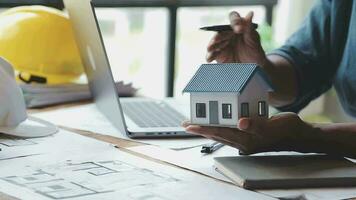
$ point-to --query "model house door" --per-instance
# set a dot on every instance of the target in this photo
(213, 112)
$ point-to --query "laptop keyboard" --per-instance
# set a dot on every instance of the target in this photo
(152, 114)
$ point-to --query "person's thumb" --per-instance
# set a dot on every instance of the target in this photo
(251, 125)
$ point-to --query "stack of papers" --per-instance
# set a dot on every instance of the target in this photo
(38, 95)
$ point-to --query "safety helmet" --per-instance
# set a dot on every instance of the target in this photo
(39, 42)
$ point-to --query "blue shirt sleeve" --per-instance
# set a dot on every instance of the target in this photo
(308, 50)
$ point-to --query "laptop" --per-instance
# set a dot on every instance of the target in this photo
(133, 117)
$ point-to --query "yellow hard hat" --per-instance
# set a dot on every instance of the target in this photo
(39, 42)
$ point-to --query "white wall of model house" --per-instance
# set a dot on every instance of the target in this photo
(255, 91)
(221, 98)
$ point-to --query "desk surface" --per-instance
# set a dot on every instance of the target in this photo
(120, 143)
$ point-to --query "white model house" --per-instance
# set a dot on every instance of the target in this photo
(220, 94)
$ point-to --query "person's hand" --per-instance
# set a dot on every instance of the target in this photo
(240, 45)
(282, 132)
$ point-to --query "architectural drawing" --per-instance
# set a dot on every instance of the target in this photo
(89, 178)
(12, 141)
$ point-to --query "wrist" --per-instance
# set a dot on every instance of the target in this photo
(265, 63)
(283, 78)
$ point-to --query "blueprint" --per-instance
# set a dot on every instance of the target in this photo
(71, 166)
(11, 141)
(88, 178)
(15, 147)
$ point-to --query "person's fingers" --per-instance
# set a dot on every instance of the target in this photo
(218, 46)
(226, 58)
(239, 24)
(200, 130)
(219, 38)
(252, 125)
(249, 17)
(228, 134)
(235, 145)
(248, 23)
(185, 124)
(233, 14)
(244, 123)
(221, 55)
(211, 133)
(236, 22)
(218, 43)
(244, 141)
(210, 56)
(235, 17)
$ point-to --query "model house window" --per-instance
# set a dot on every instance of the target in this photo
(200, 110)
(244, 110)
(226, 111)
(262, 110)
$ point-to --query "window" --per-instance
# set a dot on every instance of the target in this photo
(262, 109)
(200, 110)
(131, 52)
(244, 110)
(136, 52)
(226, 111)
(191, 43)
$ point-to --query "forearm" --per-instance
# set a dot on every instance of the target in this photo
(283, 78)
(335, 139)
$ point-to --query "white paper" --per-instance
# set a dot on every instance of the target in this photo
(63, 141)
(192, 159)
(88, 118)
(108, 174)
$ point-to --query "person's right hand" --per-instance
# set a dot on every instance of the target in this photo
(240, 45)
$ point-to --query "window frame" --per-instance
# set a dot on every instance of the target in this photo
(226, 110)
(245, 108)
(262, 108)
(12, 3)
(197, 108)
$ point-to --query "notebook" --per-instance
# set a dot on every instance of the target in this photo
(287, 171)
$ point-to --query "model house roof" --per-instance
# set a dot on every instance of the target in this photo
(225, 77)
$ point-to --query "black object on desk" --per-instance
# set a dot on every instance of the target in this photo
(210, 148)
(220, 28)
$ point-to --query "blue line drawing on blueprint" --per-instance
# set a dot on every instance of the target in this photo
(12, 141)
(71, 180)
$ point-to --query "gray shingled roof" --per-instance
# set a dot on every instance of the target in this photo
(224, 77)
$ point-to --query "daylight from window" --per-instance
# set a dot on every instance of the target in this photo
(136, 42)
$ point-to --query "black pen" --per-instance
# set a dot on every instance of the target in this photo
(210, 148)
(220, 28)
